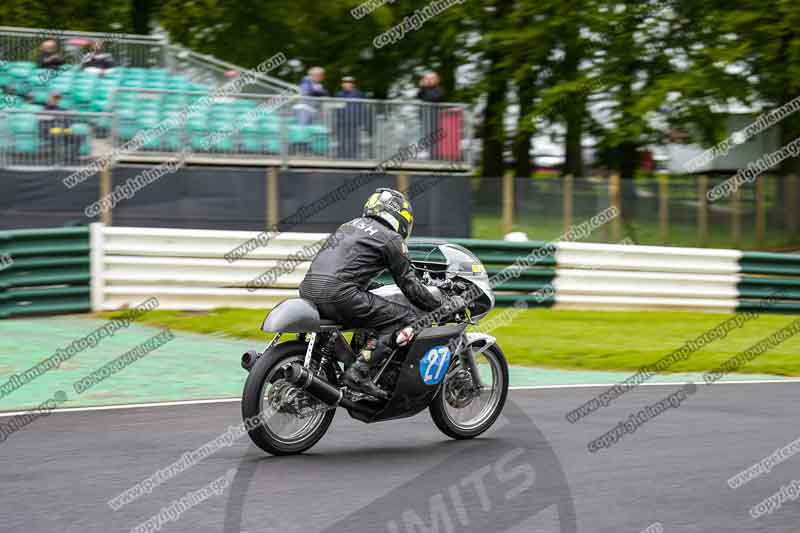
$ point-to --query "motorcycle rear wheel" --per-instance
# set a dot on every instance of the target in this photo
(281, 433)
(454, 413)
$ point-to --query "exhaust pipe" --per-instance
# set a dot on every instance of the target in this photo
(249, 358)
(298, 375)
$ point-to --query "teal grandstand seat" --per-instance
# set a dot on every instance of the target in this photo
(84, 133)
(226, 138)
(114, 74)
(298, 134)
(147, 122)
(172, 140)
(21, 70)
(22, 123)
(134, 83)
(24, 129)
(272, 145)
(320, 139)
(198, 87)
(127, 124)
(198, 130)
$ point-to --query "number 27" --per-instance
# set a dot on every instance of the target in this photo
(438, 359)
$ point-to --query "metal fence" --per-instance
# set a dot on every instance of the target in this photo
(670, 210)
(34, 139)
(23, 44)
(292, 130)
(248, 129)
(128, 51)
(153, 81)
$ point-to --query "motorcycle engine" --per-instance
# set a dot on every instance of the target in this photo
(389, 378)
(360, 338)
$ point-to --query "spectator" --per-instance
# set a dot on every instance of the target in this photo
(349, 89)
(56, 132)
(429, 91)
(49, 56)
(96, 60)
(54, 102)
(312, 84)
(310, 87)
(350, 119)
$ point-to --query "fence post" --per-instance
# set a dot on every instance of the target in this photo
(284, 139)
(105, 189)
(761, 212)
(568, 201)
(97, 266)
(702, 211)
(663, 208)
(736, 213)
(614, 192)
(272, 198)
(508, 203)
(402, 182)
(793, 205)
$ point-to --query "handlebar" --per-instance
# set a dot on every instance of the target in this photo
(448, 285)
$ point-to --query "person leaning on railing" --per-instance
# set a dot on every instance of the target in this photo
(350, 119)
(57, 133)
(97, 60)
(49, 56)
(430, 91)
(310, 87)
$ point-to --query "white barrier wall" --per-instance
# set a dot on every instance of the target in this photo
(187, 270)
(618, 276)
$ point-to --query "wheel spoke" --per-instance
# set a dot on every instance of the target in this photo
(468, 405)
(286, 427)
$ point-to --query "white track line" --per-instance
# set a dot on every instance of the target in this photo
(519, 388)
(659, 384)
(127, 406)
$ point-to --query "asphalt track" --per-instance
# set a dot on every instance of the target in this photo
(531, 473)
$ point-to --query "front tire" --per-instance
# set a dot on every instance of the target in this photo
(276, 434)
(460, 417)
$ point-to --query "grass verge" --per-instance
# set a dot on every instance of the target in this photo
(580, 340)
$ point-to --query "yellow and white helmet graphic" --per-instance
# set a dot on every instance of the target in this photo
(391, 206)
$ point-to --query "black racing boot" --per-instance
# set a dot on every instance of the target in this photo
(357, 378)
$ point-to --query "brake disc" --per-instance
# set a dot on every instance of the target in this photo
(460, 390)
(284, 397)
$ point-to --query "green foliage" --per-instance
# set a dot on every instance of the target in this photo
(628, 72)
(77, 15)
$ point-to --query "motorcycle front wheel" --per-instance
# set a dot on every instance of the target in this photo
(282, 419)
(463, 409)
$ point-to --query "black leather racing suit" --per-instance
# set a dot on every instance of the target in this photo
(341, 274)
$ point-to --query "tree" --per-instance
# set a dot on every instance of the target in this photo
(76, 15)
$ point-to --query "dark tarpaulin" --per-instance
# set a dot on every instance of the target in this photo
(442, 203)
(40, 200)
(196, 197)
(230, 198)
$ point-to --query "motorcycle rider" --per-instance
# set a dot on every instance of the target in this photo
(340, 278)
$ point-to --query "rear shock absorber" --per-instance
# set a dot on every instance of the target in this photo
(326, 352)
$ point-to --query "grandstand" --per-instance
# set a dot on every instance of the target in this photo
(154, 82)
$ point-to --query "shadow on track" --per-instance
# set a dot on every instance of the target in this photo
(486, 484)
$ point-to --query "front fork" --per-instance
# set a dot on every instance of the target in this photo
(467, 356)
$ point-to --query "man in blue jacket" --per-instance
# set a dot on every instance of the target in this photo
(311, 87)
(350, 119)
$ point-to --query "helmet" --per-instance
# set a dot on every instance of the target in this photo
(392, 207)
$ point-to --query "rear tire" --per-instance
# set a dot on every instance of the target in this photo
(440, 408)
(268, 365)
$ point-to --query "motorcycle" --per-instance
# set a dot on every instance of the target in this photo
(293, 388)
